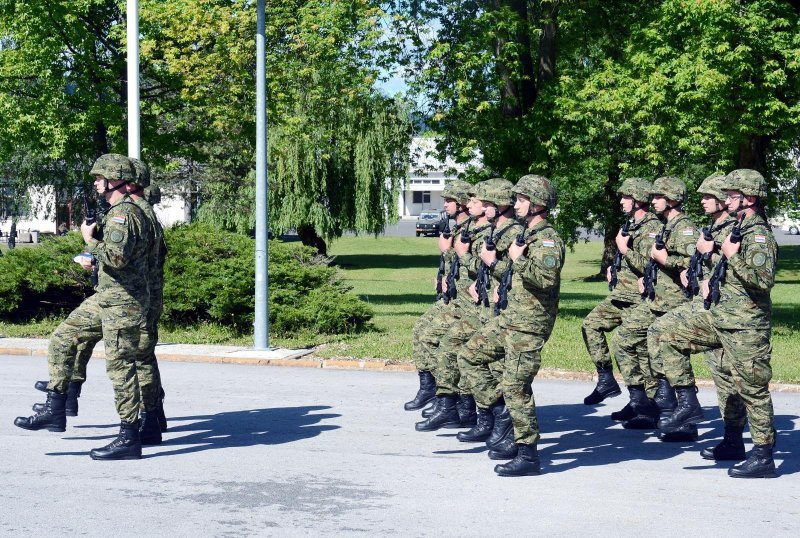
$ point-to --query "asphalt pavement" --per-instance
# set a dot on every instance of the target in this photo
(271, 451)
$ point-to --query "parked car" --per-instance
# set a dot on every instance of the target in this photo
(428, 223)
(790, 225)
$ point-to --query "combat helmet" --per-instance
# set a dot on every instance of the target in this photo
(457, 190)
(115, 167)
(496, 190)
(713, 185)
(671, 188)
(637, 188)
(748, 182)
(539, 189)
(142, 172)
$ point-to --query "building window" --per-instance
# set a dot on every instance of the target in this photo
(416, 197)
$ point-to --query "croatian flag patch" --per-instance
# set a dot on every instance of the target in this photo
(548, 243)
(652, 235)
(688, 232)
(119, 219)
(759, 238)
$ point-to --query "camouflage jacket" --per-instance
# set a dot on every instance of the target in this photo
(468, 270)
(680, 240)
(156, 255)
(536, 282)
(642, 234)
(122, 255)
(745, 292)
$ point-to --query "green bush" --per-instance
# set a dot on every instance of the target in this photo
(208, 277)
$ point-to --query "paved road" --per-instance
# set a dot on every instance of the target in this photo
(268, 451)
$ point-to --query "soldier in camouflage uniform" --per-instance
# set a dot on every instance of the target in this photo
(662, 291)
(634, 242)
(678, 373)
(536, 257)
(490, 205)
(738, 295)
(430, 327)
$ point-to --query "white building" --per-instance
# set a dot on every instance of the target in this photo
(422, 191)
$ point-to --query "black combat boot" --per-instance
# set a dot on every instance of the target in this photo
(687, 412)
(626, 413)
(150, 430)
(466, 410)
(431, 409)
(730, 449)
(482, 429)
(126, 446)
(505, 449)
(445, 416)
(525, 463)
(73, 393)
(665, 397)
(684, 434)
(51, 418)
(426, 392)
(162, 417)
(502, 424)
(758, 465)
(41, 385)
(645, 410)
(607, 386)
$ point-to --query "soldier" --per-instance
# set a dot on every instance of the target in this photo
(430, 327)
(677, 372)
(738, 296)
(634, 241)
(661, 289)
(536, 256)
(490, 205)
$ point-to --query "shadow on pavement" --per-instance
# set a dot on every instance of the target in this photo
(272, 426)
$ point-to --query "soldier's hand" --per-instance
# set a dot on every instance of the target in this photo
(659, 255)
(86, 263)
(728, 248)
(495, 296)
(87, 231)
(685, 278)
(705, 291)
(473, 292)
(460, 247)
(444, 285)
(641, 284)
(608, 273)
(622, 242)
(445, 243)
(515, 251)
(703, 246)
(488, 256)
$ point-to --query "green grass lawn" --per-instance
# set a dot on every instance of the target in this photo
(395, 275)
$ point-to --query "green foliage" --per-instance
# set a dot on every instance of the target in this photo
(209, 277)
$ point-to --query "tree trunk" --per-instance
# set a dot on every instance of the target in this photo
(518, 93)
(308, 236)
(753, 154)
(547, 48)
(611, 226)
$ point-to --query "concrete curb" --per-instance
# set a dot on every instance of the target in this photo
(298, 358)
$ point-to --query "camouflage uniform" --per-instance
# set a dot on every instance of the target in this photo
(630, 342)
(612, 312)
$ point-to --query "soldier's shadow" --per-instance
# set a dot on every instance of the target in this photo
(245, 428)
(576, 435)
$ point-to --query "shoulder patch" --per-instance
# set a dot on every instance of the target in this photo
(652, 235)
(119, 219)
(759, 259)
(549, 243)
(549, 261)
(688, 232)
(760, 238)
(116, 236)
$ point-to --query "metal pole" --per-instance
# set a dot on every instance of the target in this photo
(261, 329)
(134, 137)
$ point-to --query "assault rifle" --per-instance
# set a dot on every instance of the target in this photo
(616, 265)
(651, 270)
(505, 281)
(444, 230)
(483, 282)
(89, 218)
(695, 272)
(718, 276)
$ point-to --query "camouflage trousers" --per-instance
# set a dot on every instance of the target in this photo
(604, 318)
(425, 337)
(480, 363)
(677, 367)
(742, 370)
(462, 321)
(630, 348)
